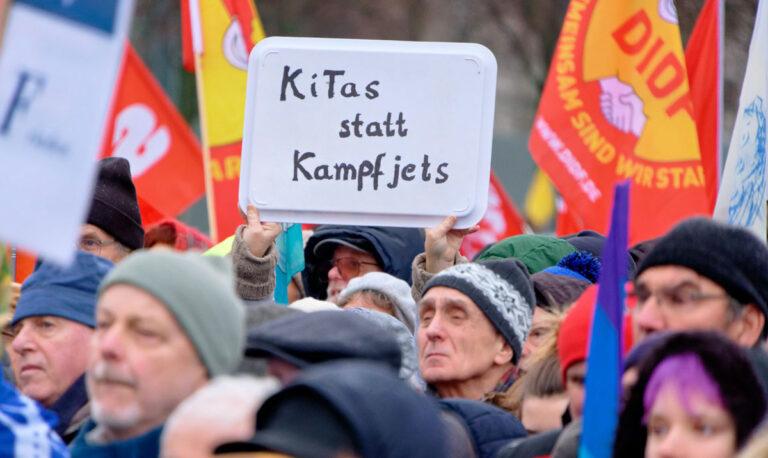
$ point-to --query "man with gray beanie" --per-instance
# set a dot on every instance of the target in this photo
(48, 337)
(166, 323)
(473, 320)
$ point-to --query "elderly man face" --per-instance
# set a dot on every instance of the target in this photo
(457, 343)
(675, 298)
(47, 355)
(142, 365)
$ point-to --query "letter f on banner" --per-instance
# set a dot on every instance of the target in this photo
(28, 86)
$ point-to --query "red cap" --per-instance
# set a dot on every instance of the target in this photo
(573, 337)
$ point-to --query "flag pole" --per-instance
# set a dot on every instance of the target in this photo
(197, 47)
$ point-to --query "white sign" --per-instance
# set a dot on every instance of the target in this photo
(58, 67)
(368, 132)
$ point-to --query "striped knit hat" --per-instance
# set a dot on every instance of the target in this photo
(501, 289)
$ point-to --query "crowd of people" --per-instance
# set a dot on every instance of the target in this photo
(393, 344)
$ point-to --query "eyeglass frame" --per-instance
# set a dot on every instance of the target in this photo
(101, 244)
(734, 306)
(335, 261)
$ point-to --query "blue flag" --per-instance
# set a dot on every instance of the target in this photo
(603, 385)
(290, 250)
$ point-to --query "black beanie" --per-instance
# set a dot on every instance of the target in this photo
(501, 289)
(114, 208)
(728, 255)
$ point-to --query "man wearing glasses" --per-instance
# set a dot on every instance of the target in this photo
(704, 275)
(336, 254)
(113, 228)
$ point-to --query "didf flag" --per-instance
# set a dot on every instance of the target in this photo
(617, 106)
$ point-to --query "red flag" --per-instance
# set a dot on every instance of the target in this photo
(146, 129)
(566, 222)
(616, 106)
(187, 53)
(703, 59)
(501, 220)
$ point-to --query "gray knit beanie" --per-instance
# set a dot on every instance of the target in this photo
(501, 289)
(199, 292)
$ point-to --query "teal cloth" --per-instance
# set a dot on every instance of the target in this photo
(145, 446)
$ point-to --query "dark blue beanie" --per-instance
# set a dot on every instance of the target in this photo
(64, 292)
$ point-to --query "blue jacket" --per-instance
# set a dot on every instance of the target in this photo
(490, 428)
(393, 247)
(145, 446)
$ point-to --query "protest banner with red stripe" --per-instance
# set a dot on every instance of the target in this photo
(617, 106)
(502, 219)
(146, 129)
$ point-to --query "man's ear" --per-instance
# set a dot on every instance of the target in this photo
(504, 352)
(752, 321)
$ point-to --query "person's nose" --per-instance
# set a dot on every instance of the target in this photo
(648, 316)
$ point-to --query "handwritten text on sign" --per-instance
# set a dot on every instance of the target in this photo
(367, 132)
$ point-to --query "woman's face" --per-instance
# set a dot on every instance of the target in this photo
(701, 429)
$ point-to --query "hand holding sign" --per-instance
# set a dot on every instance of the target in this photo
(259, 236)
(442, 243)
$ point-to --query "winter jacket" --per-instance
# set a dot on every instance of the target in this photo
(489, 427)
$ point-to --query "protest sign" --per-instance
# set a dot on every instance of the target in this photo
(57, 72)
(368, 132)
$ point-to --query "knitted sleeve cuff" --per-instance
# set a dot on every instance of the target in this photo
(254, 276)
(420, 276)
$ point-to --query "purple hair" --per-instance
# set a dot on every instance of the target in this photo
(689, 376)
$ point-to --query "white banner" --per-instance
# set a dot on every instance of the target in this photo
(742, 197)
(58, 67)
(368, 132)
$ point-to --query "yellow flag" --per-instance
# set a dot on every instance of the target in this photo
(223, 33)
(540, 200)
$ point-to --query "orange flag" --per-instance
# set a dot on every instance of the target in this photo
(703, 60)
(223, 33)
(617, 106)
(146, 129)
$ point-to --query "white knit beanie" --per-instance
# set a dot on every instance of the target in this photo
(398, 292)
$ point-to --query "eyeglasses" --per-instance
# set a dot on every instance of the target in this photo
(94, 245)
(349, 267)
(674, 298)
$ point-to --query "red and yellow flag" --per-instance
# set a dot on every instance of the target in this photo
(223, 33)
(617, 106)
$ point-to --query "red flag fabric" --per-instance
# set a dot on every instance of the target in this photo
(146, 129)
(702, 57)
(187, 53)
(566, 222)
(616, 106)
(502, 219)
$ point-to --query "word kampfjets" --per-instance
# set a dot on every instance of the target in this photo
(342, 171)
